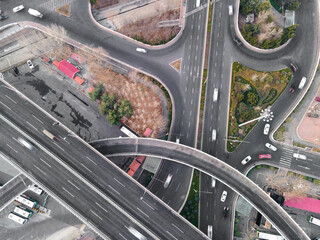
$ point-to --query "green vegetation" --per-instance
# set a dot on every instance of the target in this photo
(93, 2)
(210, 19)
(250, 33)
(236, 221)
(253, 6)
(190, 209)
(113, 108)
(96, 92)
(154, 43)
(251, 91)
(287, 4)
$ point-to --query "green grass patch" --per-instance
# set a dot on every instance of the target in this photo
(190, 209)
(251, 92)
(210, 18)
(203, 90)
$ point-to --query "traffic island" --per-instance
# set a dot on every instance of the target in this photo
(251, 92)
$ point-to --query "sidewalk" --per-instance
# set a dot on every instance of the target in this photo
(292, 127)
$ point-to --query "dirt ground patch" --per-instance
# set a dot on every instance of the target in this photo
(147, 30)
(176, 64)
(143, 96)
(103, 3)
(64, 10)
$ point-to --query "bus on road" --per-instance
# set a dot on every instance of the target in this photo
(17, 218)
(24, 212)
(268, 236)
(128, 132)
(314, 220)
(29, 202)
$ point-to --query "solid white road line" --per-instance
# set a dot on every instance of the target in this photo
(67, 191)
(143, 212)
(32, 126)
(102, 207)
(37, 119)
(113, 189)
(45, 162)
(86, 167)
(96, 214)
(40, 170)
(11, 148)
(119, 182)
(92, 161)
(177, 228)
(74, 185)
(5, 105)
(11, 99)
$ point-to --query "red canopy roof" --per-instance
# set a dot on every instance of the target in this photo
(135, 165)
(308, 204)
(67, 68)
(147, 132)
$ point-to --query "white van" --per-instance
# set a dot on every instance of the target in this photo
(214, 134)
(213, 182)
(300, 156)
(36, 189)
(302, 82)
(230, 10)
(215, 94)
(210, 231)
(25, 143)
(168, 180)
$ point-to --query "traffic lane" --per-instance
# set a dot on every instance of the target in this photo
(111, 190)
(12, 188)
(119, 191)
(180, 182)
(58, 180)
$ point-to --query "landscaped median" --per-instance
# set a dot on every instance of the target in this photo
(251, 92)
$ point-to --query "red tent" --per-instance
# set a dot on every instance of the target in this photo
(147, 132)
(67, 68)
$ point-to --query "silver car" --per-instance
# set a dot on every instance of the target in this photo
(271, 147)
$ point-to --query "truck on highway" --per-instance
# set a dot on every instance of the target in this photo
(302, 82)
(198, 3)
(268, 236)
(35, 13)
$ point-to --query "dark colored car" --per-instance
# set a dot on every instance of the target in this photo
(313, 115)
(2, 17)
(293, 67)
(292, 88)
(225, 212)
(237, 40)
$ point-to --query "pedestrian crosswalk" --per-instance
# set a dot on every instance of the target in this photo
(52, 5)
(286, 157)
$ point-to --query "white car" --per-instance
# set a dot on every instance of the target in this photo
(25, 143)
(213, 182)
(214, 135)
(215, 94)
(223, 196)
(18, 8)
(271, 147)
(266, 129)
(142, 50)
(168, 180)
(245, 160)
(297, 155)
(30, 65)
(136, 233)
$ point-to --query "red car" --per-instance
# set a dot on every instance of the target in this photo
(318, 99)
(292, 88)
(264, 156)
